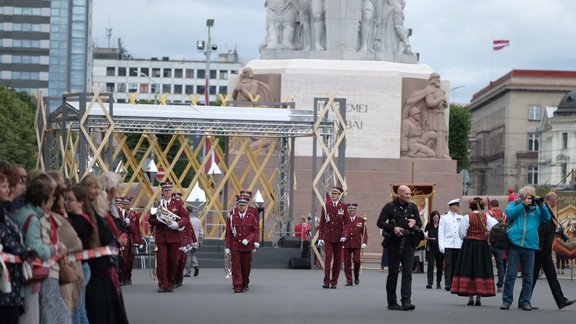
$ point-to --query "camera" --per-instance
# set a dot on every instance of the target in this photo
(537, 201)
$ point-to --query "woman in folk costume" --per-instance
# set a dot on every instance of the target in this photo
(474, 275)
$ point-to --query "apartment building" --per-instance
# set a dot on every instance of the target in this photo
(46, 46)
(120, 74)
(505, 139)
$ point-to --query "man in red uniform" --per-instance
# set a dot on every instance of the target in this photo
(131, 219)
(242, 237)
(332, 221)
(167, 238)
(356, 239)
(302, 232)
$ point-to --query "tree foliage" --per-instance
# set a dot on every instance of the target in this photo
(17, 139)
(460, 125)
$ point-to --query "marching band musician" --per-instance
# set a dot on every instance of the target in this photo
(168, 238)
(131, 219)
(332, 221)
(242, 236)
(356, 239)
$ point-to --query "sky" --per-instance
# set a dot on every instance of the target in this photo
(454, 37)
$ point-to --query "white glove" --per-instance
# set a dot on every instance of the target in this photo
(363, 246)
(127, 221)
(442, 251)
(182, 248)
(245, 242)
(227, 251)
(342, 239)
(256, 244)
(173, 226)
(194, 246)
(141, 246)
(320, 242)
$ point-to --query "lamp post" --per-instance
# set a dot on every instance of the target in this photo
(155, 86)
(207, 48)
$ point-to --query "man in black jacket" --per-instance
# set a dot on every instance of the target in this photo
(543, 259)
(401, 220)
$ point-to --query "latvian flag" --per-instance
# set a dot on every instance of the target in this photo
(499, 44)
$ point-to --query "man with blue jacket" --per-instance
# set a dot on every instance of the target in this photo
(524, 216)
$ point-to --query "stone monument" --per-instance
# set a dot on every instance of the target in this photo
(396, 109)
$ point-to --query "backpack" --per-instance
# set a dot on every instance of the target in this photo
(498, 236)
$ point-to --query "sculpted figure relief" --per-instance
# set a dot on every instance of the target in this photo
(432, 103)
(415, 142)
(281, 17)
(248, 88)
(312, 23)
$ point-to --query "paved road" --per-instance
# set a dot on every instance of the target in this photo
(296, 296)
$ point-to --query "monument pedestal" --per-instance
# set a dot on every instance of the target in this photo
(375, 92)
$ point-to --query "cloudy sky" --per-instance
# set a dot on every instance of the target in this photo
(454, 37)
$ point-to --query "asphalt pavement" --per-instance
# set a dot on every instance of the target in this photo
(279, 296)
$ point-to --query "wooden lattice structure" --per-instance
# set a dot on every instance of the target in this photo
(253, 148)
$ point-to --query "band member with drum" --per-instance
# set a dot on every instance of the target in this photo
(167, 236)
(356, 240)
(242, 237)
(332, 221)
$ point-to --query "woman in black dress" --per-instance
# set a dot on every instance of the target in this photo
(433, 255)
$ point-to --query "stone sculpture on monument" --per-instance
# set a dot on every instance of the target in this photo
(415, 142)
(351, 30)
(250, 90)
(431, 102)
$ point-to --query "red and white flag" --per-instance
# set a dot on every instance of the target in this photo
(499, 44)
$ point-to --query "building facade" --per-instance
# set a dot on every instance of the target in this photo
(505, 117)
(557, 156)
(46, 46)
(182, 79)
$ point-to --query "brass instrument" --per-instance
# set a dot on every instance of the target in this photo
(154, 264)
(167, 216)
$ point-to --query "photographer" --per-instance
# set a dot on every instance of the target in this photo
(524, 215)
(543, 260)
(401, 220)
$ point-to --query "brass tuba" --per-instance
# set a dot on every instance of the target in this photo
(166, 216)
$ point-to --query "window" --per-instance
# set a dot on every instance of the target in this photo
(223, 75)
(109, 87)
(133, 72)
(563, 173)
(154, 88)
(144, 71)
(121, 87)
(564, 141)
(213, 74)
(189, 73)
(178, 73)
(533, 142)
(223, 90)
(144, 87)
(532, 175)
(178, 89)
(132, 87)
(155, 73)
(200, 89)
(166, 88)
(167, 73)
(212, 90)
(534, 112)
(201, 74)
(189, 89)
(110, 71)
(121, 71)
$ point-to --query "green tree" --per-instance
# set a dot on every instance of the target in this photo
(460, 125)
(17, 139)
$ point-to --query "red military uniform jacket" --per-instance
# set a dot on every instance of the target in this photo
(331, 231)
(355, 233)
(162, 234)
(134, 235)
(238, 229)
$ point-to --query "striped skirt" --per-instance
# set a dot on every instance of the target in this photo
(474, 274)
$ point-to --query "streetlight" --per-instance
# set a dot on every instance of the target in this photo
(208, 52)
(155, 86)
